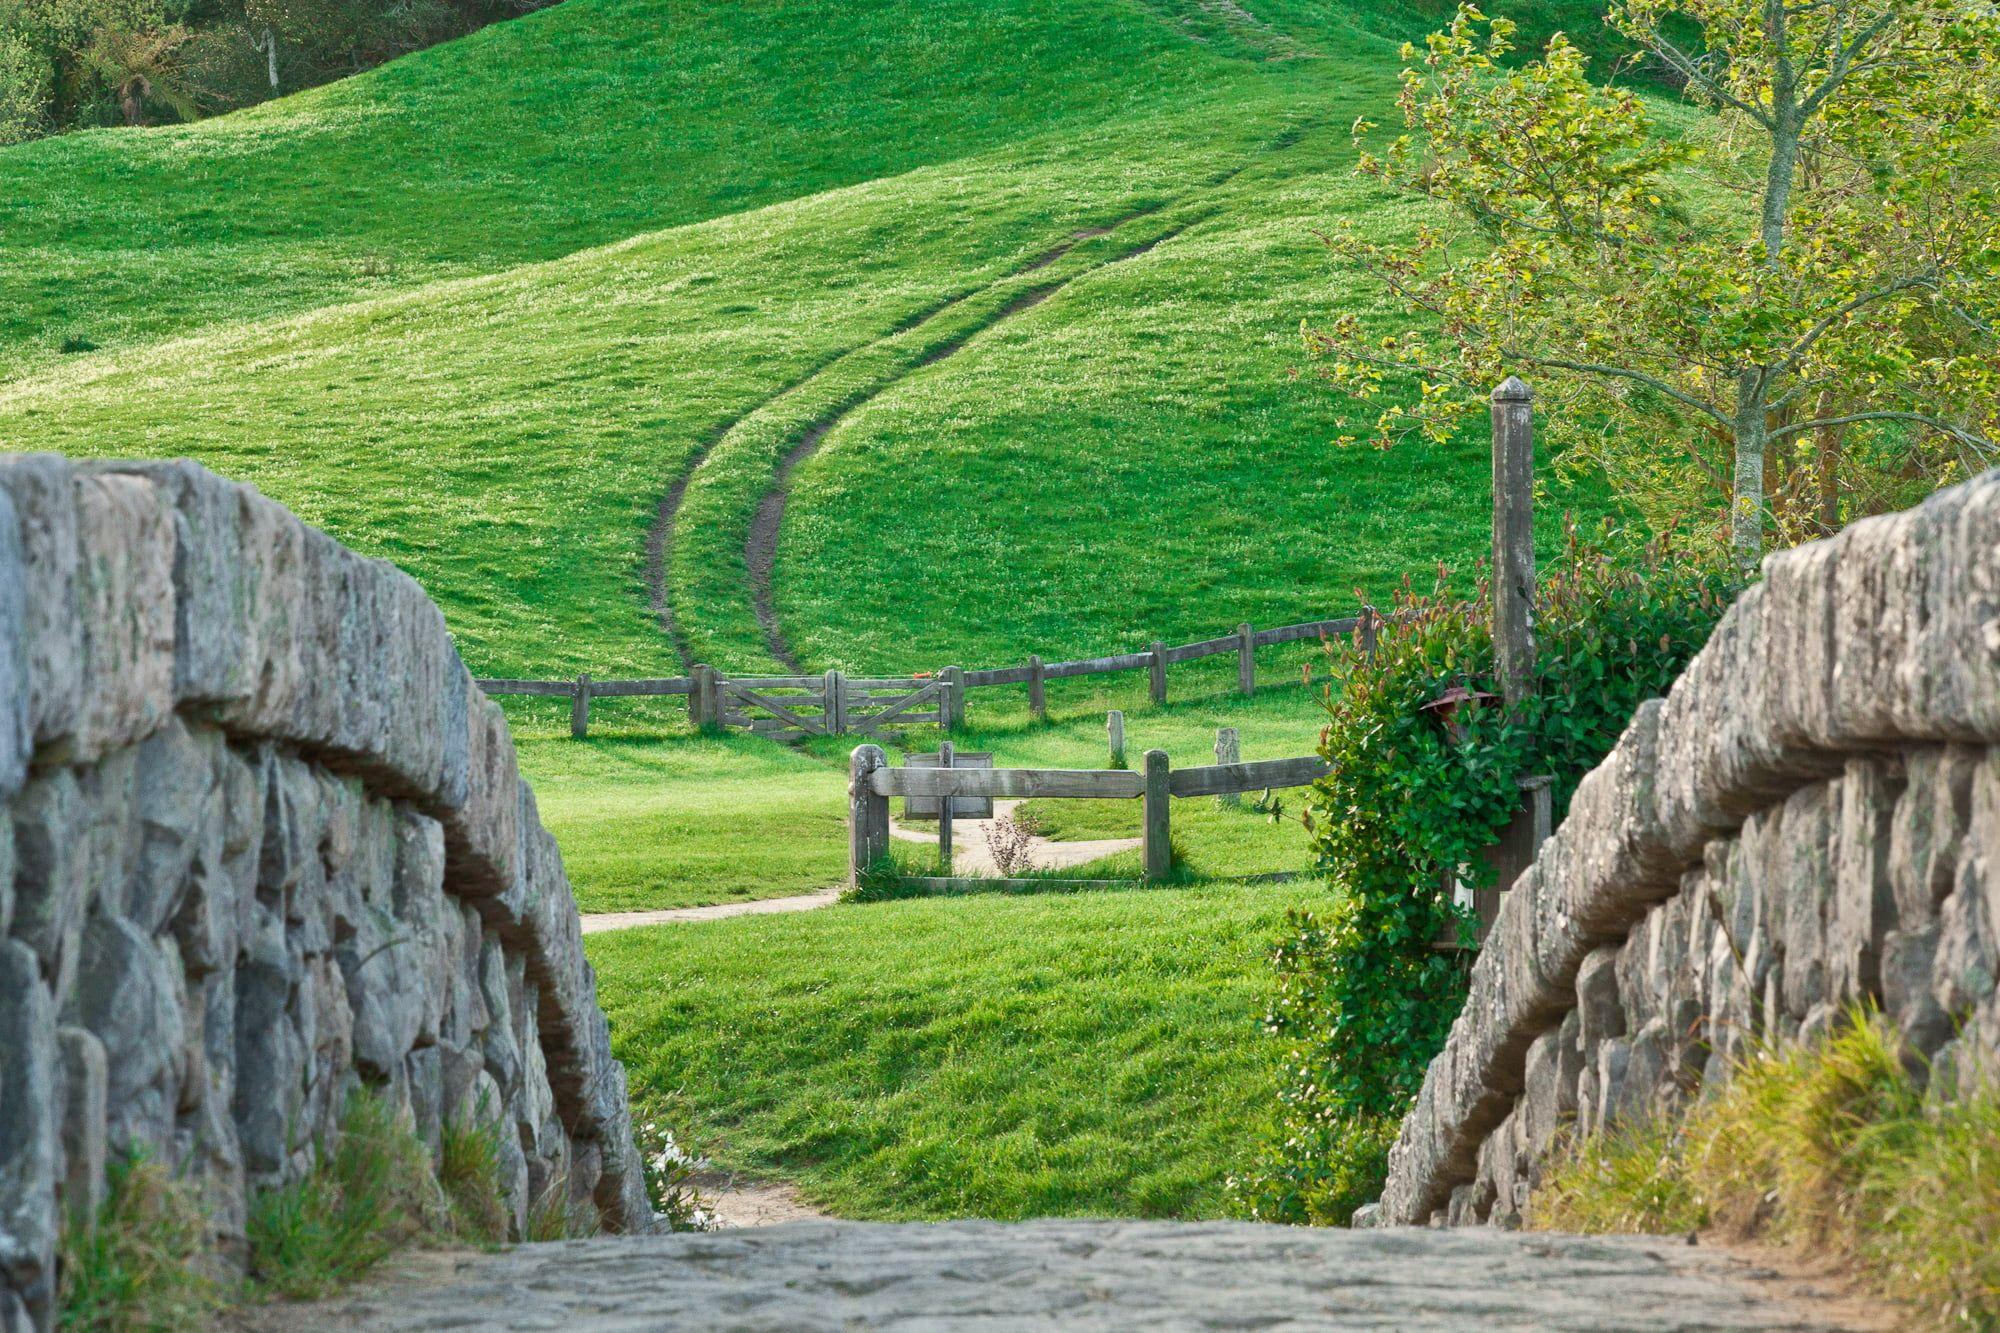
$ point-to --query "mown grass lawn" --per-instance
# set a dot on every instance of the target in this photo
(1079, 1054)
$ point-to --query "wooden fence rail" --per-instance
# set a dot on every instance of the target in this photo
(712, 695)
(872, 782)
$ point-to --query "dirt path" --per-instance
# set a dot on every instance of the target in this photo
(804, 902)
(1077, 1274)
(972, 855)
(760, 548)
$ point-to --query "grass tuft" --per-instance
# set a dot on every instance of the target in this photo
(143, 1260)
(372, 1194)
(1832, 1150)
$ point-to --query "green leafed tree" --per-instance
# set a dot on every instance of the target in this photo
(1766, 317)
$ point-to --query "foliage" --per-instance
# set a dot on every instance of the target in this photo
(1087, 1054)
(1833, 1150)
(1364, 997)
(1803, 288)
(670, 1185)
(68, 64)
(143, 1261)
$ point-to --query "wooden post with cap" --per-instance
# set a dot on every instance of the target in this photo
(1514, 539)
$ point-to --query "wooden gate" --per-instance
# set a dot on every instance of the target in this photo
(792, 708)
(868, 706)
(784, 708)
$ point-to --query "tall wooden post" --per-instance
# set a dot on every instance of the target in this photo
(1246, 659)
(1114, 730)
(1514, 539)
(1158, 848)
(833, 704)
(867, 812)
(1365, 632)
(1158, 668)
(1514, 625)
(1038, 700)
(704, 699)
(945, 812)
(1228, 750)
(579, 709)
(952, 706)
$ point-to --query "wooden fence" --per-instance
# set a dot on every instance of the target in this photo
(794, 707)
(872, 781)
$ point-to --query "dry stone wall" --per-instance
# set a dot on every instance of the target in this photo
(265, 843)
(1809, 819)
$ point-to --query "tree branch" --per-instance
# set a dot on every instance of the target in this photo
(1940, 425)
(1638, 377)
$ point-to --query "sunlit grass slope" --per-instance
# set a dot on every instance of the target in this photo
(1090, 1054)
(579, 125)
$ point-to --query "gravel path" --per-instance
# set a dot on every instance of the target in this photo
(971, 854)
(1083, 1275)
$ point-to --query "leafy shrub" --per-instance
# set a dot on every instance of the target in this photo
(1834, 1150)
(1364, 998)
(670, 1181)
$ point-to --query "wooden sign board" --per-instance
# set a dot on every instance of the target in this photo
(962, 807)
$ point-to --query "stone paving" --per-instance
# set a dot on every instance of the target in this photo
(1085, 1275)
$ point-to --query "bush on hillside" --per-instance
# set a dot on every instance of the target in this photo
(1363, 997)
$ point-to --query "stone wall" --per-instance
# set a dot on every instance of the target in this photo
(1810, 818)
(266, 843)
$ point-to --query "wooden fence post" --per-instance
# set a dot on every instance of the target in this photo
(1514, 623)
(1364, 633)
(1158, 852)
(579, 708)
(1246, 659)
(703, 711)
(867, 813)
(945, 813)
(833, 704)
(952, 707)
(1228, 750)
(1514, 539)
(1158, 668)
(1038, 702)
(1114, 727)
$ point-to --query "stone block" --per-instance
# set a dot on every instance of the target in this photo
(177, 807)
(1967, 965)
(213, 663)
(1804, 868)
(1599, 1011)
(483, 836)
(1862, 908)
(30, 1142)
(1930, 823)
(125, 597)
(53, 887)
(42, 496)
(129, 995)
(85, 1121)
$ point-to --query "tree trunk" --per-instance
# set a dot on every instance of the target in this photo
(1829, 468)
(1746, 508)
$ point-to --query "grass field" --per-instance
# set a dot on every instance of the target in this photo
(1086, 1054)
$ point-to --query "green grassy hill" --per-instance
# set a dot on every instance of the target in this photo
(510, 437)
